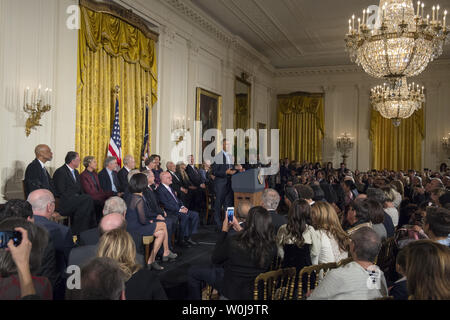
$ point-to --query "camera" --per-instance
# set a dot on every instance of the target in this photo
(5, 236)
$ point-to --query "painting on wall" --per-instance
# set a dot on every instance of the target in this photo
(209, 112)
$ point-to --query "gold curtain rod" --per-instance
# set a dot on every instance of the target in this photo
(122, 13)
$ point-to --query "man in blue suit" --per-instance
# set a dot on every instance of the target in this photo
(109, 180)
(43, 205)
(174, 207)
(223, 169)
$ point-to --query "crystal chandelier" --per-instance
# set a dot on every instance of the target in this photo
(404, 43)
(397, 100)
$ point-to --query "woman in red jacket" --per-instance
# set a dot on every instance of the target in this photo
(91, 185)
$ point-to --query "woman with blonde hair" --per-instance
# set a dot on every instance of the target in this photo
(334, 240)
(141, 284)
(428, 270)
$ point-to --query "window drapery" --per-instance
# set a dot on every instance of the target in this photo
(301, 125)
(112, 52)
(397, 148)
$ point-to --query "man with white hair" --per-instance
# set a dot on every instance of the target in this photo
(113, 221)
(128, 164)
(270, 200)
(43, 205)
(114, 205)
(109, 181)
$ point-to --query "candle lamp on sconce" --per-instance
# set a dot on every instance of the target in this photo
(179, 128)
(446, 143)
(344, 145)
(36, 104)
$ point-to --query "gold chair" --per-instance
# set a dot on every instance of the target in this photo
(386, 256)
(276, 263)
(148, 240)
(309, 271)
(344, 262)
(278, 284)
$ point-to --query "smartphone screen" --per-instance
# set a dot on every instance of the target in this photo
(5, 236)
(230, 214)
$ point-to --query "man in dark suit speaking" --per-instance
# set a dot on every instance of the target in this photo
(223, 169)
(36, 175)
(74, 202)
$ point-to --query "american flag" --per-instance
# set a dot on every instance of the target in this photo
(115, 144)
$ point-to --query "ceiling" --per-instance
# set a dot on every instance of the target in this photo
(294, 33)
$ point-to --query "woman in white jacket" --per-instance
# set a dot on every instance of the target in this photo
(334, 241)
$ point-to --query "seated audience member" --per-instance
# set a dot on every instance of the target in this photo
(80, 255)
(174, 206)
(297, 241)
(305, 192)
(115, 205)
(290, 195)
(193, 200)
(245, 255)
(141, 221)
(128, 164)
(112, 205)
(334, 241)
(109, 180)
(157, 170)
(378, 195)
(43, 206)
(359, 279)
(435, 195)
(358, 216)
(140, 284)
(101, 279)
(376, 216)
(406, 211)
(181, 190)
(21, 257)
(156, 212)
(329, 193)
(49, 269)
(350, 190)
(389, 208)
(9, 282)
(149, 164)
(74, 202)
(36, 175)
(270, 200)
(427, 270)
(400, 289)
(319, 195)
(91, 185)
(437, 225)
(242, 210)
(444, 200)
(17, 208)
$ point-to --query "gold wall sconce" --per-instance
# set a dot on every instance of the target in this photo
(36, 103)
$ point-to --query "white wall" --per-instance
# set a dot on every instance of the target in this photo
(194, 51)
(35, 48)
(347, 108)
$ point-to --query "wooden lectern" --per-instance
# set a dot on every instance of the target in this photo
(248, 185)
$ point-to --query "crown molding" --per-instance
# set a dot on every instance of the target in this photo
(196, 15)
(342, 69)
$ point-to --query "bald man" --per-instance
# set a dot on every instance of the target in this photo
(113, 221)
(36, 175)
(43, 206)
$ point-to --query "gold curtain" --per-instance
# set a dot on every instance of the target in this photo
(241, 111)
(397, 148)
(301, 124)
(112, 52)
